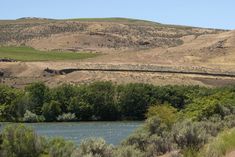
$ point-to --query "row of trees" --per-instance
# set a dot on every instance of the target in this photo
(180, 119)
(108, 101)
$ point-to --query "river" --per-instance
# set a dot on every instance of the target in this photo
(112, 132)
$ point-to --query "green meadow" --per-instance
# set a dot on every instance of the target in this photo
(29, 54)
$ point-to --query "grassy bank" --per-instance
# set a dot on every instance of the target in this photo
(29, 54)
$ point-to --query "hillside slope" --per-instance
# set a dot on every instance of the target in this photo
(132, 51)
(102, 35)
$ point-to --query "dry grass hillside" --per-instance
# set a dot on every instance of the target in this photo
(103, 35)
(131, 51)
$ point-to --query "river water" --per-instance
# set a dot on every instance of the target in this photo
(112, 132)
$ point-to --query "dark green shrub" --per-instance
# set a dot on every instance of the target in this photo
(38, 94)
(83, 111)
(7, 94)
(19, 106)
(51, 110)
(174, 95)
(134, 99)
(63, 94)
(9, 110)
(101, 96)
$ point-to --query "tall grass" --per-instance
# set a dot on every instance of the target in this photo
(220, 146)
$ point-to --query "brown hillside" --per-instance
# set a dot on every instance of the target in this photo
(134, 51)
(103, 35)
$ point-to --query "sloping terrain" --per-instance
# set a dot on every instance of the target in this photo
(132, 51)
(103, 35)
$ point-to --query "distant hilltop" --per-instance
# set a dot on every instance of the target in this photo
(96, 34)
(124, 51)
(33, 18)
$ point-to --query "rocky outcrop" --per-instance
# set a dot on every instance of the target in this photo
(7, 60)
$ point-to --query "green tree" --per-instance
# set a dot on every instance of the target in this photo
(101, 96)
(134, 99)
(174, 95)
(51, 110)
(221, 103)
(63, 94)
(19, 106)
(10, 110)
(83, 111)
(7, 94)
(38, 94)
(165, 112)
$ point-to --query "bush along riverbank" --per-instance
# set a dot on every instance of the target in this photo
(181, 121)
(158, 136)
(108, 101)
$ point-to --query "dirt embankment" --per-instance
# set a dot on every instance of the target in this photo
(143, 68)
(54, 73)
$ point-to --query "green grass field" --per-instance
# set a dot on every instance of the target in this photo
(30, 54)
